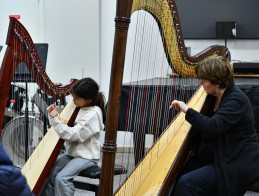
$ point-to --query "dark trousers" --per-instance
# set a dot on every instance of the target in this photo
(196, 179)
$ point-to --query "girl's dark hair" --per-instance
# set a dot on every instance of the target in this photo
(87, 88)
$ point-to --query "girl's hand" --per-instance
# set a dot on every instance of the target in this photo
(179, 104)
(52, 110)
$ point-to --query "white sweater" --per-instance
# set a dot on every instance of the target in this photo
(82, 140)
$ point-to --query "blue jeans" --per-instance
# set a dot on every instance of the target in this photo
(65, 169)
(198, 182)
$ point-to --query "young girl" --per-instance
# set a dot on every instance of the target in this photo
(81, 141)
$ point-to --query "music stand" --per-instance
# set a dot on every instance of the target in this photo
(22, 73)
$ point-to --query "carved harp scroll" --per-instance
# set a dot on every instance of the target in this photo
(20, 48)
(166, 16)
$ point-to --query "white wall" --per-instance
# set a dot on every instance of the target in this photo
(71, 28)
(107, 15)
(241, 50)
(72, 31)
(31, 12)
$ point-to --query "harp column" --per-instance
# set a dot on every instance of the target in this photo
(122, 20)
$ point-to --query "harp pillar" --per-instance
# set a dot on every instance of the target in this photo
(122, 21)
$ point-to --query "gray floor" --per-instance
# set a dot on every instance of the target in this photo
(83, 193)
(116, 181)
(248, 193)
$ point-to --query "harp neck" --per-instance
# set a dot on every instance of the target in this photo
(19, 36)
(20, 48)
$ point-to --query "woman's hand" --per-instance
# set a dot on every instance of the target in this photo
(179, 104)
(52, 110)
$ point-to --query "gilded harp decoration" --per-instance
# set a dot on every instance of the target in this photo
(154, 171)
(35, 163)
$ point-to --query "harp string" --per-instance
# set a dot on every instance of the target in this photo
(140, 120)
(15, 133)
(143, 181)
(138, 108)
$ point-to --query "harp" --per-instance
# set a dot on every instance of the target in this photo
(20, 48)
(153, 173)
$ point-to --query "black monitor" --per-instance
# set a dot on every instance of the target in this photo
(199, 18)
(22, 73)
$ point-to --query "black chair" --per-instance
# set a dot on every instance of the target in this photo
(95, 173)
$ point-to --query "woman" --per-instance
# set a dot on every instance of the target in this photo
(81, 141)
(225, 160)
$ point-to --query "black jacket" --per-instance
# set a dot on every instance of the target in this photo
(236, 150)
(12, 182)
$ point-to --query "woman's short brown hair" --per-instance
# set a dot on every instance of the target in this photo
(216, 69)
